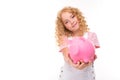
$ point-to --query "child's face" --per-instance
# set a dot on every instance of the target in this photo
(70, 21)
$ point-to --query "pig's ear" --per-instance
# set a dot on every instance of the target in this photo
(97, 46)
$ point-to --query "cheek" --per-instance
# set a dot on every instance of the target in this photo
(67, 26)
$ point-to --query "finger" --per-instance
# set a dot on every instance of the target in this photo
(72, 63)
(89, 63)
(77, 64)
(82, 64)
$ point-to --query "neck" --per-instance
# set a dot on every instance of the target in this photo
(76, 34)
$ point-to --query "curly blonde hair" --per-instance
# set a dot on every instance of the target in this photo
(60, 29)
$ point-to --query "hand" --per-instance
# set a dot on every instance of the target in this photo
(81, 65)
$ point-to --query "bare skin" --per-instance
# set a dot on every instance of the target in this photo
(80, 64)
(71, 23)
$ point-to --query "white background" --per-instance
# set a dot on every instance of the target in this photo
(28, 49)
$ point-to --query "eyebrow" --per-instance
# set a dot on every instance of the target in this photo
(71, 15)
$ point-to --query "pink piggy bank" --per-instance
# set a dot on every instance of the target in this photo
(81, 49)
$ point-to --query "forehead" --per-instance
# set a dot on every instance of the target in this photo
(66, 15)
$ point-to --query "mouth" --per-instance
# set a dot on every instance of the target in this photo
(74, 24)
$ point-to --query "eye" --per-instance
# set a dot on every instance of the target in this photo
(73, 16)
(66, 22)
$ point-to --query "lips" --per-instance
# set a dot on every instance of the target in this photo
(74, 24)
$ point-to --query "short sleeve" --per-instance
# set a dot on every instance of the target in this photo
(93, 37)
(64, 44)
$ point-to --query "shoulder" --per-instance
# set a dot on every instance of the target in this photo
(63, 39)
(91, 32)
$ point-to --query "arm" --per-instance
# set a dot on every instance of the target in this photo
(80, 65)
(64, 49)
(66, 56)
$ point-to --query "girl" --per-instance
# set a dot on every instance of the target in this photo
(69, 24)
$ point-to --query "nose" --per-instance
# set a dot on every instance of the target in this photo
(72, 21)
